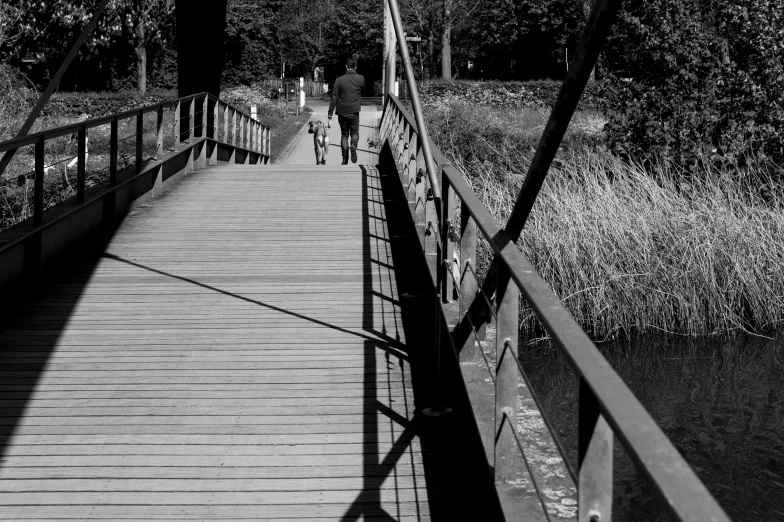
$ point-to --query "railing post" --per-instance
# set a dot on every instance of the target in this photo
(215, 132)
(506, 377)
(447, 250)
(595, 460)
(113, 146)
(205, 117)
(81, 163)
(226, 124)
(468, 285)
(38, 188)
(420, 195)
(215, 116)
(192, 122)
(177, 126)
(159, 134)
(139, 140)
(269, 143)
(234, 127)
(410, 178)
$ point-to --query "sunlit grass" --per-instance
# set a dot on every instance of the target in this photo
(626, 249)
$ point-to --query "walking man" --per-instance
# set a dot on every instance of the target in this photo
(346, 95)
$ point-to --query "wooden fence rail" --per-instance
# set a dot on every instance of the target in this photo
(202, 120)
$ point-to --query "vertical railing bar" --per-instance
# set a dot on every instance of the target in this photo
(447, 232)
(192, 121)
(177, 125)
(226, 123)
(595, 459)
(215, 119)
(205, 117)
(38, 188)
(139, 140)
(113, 149)
(468, 285)
(159, 134)
(81, 163)
(234, 127)
(506, 373)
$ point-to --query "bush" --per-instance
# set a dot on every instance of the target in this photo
(486, 134)
(707, 85)
(533, 94)
(243, 97)
(15, 101)
(97, 104)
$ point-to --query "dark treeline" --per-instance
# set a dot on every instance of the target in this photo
(685, 81)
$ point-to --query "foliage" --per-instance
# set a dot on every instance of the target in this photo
(524, 39)
(251, 43)
(97, 104)
(16, 101)
(132, 26)
(540, 93)
(708, 82)
(626, 251)
(243, 97)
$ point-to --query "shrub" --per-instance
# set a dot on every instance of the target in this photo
(708, 84)
(97, 104)
(539, 93)
(15, 101)
(243, 97)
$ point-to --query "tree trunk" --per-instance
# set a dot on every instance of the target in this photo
(141, 68)
(446, 42)
(141, 58)
(431, 59)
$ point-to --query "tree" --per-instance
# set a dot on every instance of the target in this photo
(306, 33)
(48, 24)
(251, 45)
(708, 80)
(142, 20)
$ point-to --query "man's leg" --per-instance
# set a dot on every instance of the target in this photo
(345, 129)
(354, 128)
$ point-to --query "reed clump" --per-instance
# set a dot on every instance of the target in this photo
(630, 248)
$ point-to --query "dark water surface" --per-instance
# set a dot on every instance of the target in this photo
(720, 401)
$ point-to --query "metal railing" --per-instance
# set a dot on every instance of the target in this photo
(606, 406)
(196, 117)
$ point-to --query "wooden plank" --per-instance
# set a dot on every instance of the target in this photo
(413, 510)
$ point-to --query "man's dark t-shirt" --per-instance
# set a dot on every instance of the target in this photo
(346, 94)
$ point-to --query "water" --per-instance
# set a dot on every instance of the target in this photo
(720, 401)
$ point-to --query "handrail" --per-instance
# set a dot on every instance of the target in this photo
(671, 478)
(244, 133)
(65, 130)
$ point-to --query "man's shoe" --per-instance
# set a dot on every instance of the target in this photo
(353, 155)
(345, 160)
(323, 162)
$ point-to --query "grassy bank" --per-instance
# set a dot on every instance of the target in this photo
(629, 250)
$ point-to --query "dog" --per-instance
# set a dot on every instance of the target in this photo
(320, 140)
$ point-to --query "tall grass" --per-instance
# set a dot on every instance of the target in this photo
(627, 249)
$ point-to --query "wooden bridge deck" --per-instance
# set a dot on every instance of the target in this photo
(236, 353)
